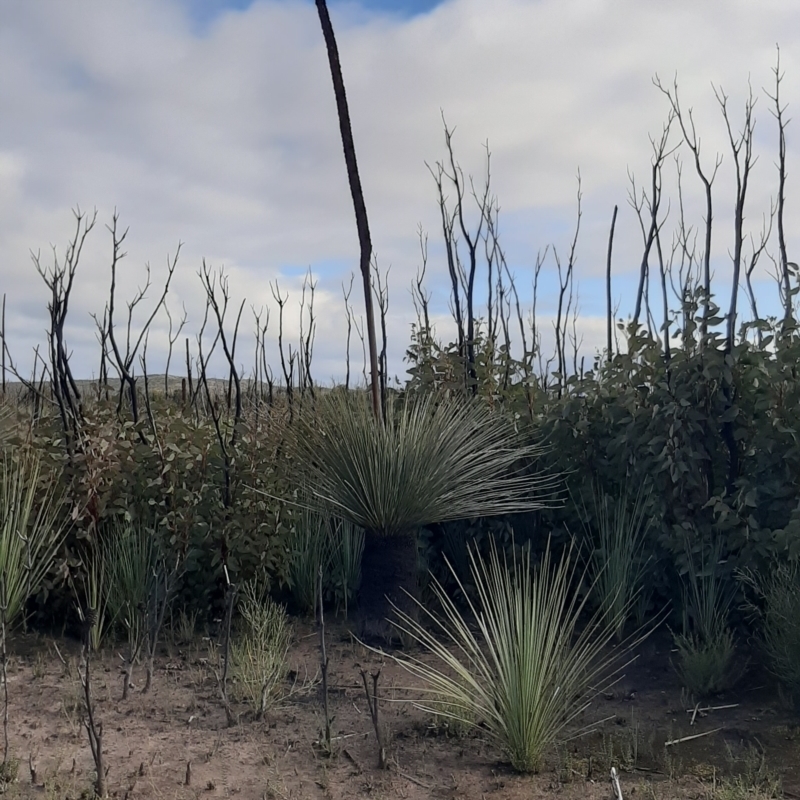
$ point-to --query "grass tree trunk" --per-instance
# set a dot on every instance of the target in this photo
(389, 577)
(435, 459)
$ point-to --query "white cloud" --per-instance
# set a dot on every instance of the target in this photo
(227, 138)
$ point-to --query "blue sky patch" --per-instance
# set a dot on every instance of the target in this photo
(204, 12)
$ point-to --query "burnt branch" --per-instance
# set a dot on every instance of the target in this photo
(172, 338)
(450, 244)
(287, 376)
(757, 252)
(216, 416)
(59, 279)
(262, 371)
(219, 306)
(123, 363)
(784, 264)
(380, 287)
(743, 160)
(356, 191)
(348, 310)
(692, 141)
(307, 337)
(653, 205)
(609, 315)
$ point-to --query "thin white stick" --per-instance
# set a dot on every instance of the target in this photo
(710, 708)
(615, 784)
(689, 738)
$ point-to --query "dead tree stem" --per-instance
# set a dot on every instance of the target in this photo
(360, 208)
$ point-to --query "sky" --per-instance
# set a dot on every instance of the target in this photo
(212, 123)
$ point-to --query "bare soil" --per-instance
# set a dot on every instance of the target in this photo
(174, 741)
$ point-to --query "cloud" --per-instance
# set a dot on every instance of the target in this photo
(223, 136)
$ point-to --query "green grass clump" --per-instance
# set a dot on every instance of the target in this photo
(332, 545)
(311, 552)
(707, 659)
(777, 606)
(706, 666)
(31, 530)
(527, 672)
(616, 565)
(754, 779)
(449, 718)
(258, 652)
(347, 548)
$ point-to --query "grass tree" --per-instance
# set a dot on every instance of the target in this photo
(436, 458)
(31, 532)
(523, 670)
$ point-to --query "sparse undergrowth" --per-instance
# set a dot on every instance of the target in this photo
(148, 747)
(258, 652)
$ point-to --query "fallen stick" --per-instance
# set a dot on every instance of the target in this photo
(689, 738)
(411, 778)
(698, 710)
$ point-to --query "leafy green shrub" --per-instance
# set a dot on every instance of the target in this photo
(258, 653)
(526, 673)
(778, 608)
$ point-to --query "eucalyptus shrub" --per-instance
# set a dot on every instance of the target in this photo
(173, 481)
(713, 433)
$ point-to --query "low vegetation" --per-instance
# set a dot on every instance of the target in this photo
(523, 672)
(707, 662)
(777, 606)
(258, 652)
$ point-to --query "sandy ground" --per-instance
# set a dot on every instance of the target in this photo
(174, 741)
